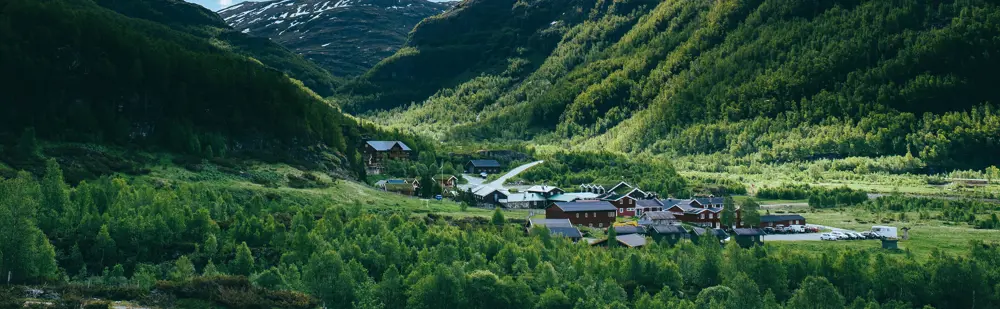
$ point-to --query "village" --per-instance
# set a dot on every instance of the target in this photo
(592, 212)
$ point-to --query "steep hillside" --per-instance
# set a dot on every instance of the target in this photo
(198, 21)
(346, 37)
(78, 72)
(768, 80)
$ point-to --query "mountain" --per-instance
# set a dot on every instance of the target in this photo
(761, 80)
(77, 71)
(346, 37)
(198, 21)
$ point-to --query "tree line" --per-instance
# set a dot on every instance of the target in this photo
(125, 233)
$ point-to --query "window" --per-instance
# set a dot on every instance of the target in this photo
(577, 215)
(590, 224)
(600, 225)
(631, 209)
(586, 215)
(611, 214)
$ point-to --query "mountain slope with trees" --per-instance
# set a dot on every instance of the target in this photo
(198, 21)
(74, 71)
(766, 80)
(346, 37)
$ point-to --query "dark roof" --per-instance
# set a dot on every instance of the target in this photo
(748, 232)
(565, 231)
(585, 206)
(720, 233)
(625, 230)
(659, 215)
(668, 229)
(632, 240)
(649, 203)
(551, 222)
(485, 163)
(387, 145)
(667, 203)
(614, 197)
(395, 181)
(710, 200)
(778, 218)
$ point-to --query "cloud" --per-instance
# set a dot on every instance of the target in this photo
(225, 3)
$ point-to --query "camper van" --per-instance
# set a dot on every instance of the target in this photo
(886, 231)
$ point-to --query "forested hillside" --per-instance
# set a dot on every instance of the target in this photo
(767, 80)
(75, 71)
(198, 21)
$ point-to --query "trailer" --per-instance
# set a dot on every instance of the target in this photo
(887, 232)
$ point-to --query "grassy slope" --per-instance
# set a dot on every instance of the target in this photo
(341, 192)
(771, 80)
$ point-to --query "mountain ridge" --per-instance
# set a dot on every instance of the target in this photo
(346, 37)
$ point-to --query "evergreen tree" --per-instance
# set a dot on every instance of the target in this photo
(498, 218)
(210, 269)
(750, 213)
(55, 196)
(728, 218)
(183, 269)
(244, 262)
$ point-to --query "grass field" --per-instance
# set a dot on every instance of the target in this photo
(339, 192)
(925, 235)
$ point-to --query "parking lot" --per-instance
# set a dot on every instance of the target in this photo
(804, 236)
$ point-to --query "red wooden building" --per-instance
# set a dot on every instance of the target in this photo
(593, 214)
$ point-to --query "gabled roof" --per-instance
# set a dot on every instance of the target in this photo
(748, 232)
(569, 197)
(659, 215)
(565, 231)
(710, 200)
(632, 240)
(636, 193)
(669, 202)
(668, 229)
(486, 190)
(444, 177)
(778, 218)
(387, 145)
(525, 197)
(625, 230)
(550, 222)
(485, 163)
(543, 188)
(620, 188)
(649, 203)
(615, 197)
(584, 206)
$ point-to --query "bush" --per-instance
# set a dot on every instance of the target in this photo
(236, 292)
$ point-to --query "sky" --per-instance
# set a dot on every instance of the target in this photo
(216, 5)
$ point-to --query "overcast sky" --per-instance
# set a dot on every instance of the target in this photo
(216, 5)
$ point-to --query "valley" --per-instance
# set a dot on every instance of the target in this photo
(520, 154)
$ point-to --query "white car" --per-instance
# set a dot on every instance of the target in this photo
(827, 236)
(840, 236)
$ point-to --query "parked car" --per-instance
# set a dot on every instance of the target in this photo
(812, 229)
(859, 236)
(797, 228)
(827, 236)
(840, 236)
(769, 230)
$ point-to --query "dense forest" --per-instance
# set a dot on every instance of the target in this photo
(125, 238)
(772, 80)
(75, 71)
